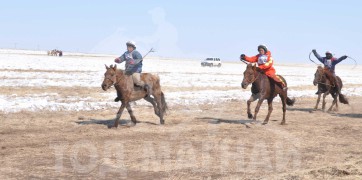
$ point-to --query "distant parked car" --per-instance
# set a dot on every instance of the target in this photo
(211, 62)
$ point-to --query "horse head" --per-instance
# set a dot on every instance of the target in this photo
(249, 76)
(318, 75)
(110, 77)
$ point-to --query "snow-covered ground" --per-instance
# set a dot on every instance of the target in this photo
(196, 84)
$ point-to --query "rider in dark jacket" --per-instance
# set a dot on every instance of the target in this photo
(330, 63)
(133, 66)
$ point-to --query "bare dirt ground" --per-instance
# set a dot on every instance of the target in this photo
(210, 141)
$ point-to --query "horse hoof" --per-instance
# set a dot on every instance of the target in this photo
(283, 123)
(264, 123)
(250, 116)
(117, 99)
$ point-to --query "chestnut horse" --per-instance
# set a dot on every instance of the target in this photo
(325, 87)
(127, 92)
(264, 88)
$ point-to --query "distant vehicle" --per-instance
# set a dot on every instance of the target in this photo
(55, 52)
(211, 62)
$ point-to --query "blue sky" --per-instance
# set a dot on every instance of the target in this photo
(191, 29)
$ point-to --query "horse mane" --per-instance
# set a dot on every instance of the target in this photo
(320, 68)
(259, 70)
(256, 68)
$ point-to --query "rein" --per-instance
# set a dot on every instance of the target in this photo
(257, 76)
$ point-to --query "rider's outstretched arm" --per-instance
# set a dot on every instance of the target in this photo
(317, 56)
(340, 59)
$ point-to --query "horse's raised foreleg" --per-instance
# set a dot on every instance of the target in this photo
(252, 98)
(119, 114)
(318, 100)
(270, 110)
(257, 108)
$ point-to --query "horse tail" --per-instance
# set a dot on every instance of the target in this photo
(290, 102)
(164, 103)
(343, 99)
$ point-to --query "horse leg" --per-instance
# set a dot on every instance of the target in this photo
(159, 107)
(130, 111)
(284, 102)
(324, 100)
(252, 98)
(334, 102)
(318, 100)
(270, 110)
(119, 114)
(257, 108)
(153, 102)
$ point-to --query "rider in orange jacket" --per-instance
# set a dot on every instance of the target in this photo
(265, 63)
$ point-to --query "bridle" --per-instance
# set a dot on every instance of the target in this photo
(255, 77)
(115, 83)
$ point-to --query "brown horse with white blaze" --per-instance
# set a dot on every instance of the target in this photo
(127, 92)
(264, 88)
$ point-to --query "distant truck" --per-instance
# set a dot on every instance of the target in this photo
(211, 62)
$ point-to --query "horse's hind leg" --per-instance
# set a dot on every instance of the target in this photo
(324, 101)
(337, 96)
(158, 99)
(153, 102)
(333, 103)
(284, 102)
(270, 110)
(318, 100)
(130, 111)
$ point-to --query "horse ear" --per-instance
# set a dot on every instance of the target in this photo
(106, 66)
(111, 66)
(115, 67)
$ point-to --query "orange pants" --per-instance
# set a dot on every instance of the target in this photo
(271, 74)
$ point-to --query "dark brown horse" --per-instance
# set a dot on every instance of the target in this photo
(127, 93)
(264, 88)
(325, 87)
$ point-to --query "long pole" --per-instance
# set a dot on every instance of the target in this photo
(151, 50)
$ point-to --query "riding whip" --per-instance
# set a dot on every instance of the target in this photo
(311, 58)
(355, 62)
